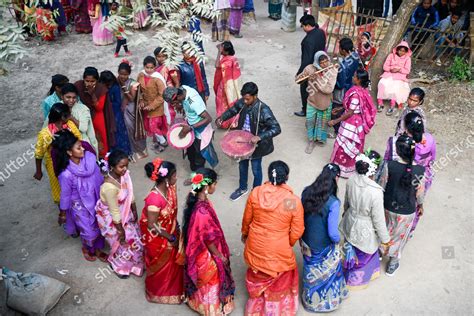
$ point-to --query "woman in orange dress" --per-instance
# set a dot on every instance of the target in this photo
(273, 222)
(160, 230)
(226, 81)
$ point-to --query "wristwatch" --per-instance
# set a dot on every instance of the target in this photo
(172, 239)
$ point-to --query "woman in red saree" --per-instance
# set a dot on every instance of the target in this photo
(356, 122)
(45, 24)
(160, 231)
(94, 95)
(226, 81)
(208, 280)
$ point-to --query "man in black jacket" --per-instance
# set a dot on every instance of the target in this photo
(252, 112)
(313, 42)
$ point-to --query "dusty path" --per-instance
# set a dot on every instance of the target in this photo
(436, 273)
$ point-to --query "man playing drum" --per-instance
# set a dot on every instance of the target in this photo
(186, 99)
(256, 118)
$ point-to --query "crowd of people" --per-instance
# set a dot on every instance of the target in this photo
(93, 129)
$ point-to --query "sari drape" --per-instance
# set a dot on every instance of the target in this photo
(208, 280)
(350, 139)
(227, 88)
(272, 295)
(124, 258)
(164, 277)
(324, 286)
(359, 267)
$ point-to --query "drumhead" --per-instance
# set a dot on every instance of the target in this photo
(237, 144)
(179, 143)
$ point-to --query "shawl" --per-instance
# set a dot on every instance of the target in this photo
(197, 71)
(205, 228)
(88, 178)
(367, 108)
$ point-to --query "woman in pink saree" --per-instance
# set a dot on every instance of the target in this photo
(117, 218)
(356, 122)
(226, 81)
(208, 281)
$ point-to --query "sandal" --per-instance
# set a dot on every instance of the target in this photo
(88, 256)
(187, 182)
(158, 149)
(142, 155)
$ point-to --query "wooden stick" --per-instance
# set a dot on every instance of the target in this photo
(300, 79)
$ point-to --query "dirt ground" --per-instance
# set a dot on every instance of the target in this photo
(436, 273)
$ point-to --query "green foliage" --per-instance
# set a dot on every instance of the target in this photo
(171, 17)
(11, 35)
(460, 70)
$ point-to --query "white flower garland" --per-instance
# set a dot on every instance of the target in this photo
(372, 165)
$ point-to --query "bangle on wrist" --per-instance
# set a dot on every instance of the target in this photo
(172, 238)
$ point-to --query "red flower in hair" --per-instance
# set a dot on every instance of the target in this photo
(197, 178)
(156, 166)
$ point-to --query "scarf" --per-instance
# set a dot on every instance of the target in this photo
(166, 109)
(198, 75)
(88, 178)
(316, 59)
(367, 108)
(53, 129)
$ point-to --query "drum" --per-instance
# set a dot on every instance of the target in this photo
(237, 144)
(173, 136)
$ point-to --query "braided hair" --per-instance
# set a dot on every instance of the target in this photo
(415, 126)
(405, 146)
(192, 199)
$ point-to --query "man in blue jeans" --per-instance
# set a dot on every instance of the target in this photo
(256, 118)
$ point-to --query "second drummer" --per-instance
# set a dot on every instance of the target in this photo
(257, 118)
(186, 99)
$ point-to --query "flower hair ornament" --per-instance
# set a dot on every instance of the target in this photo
(377, 161)
(372, 166)
(198, 181)
(274, 176)
(158, 170)
(104, 163)
(126, 61)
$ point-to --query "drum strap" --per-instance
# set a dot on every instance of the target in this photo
(238, 115)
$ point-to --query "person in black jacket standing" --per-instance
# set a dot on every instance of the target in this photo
(252, 112)
(313, 42)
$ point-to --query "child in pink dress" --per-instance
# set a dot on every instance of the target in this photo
(393, 84)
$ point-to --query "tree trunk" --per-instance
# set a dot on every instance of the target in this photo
(471, 59)
(393, 36)
(315, 9)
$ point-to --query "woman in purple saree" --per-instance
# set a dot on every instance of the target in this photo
(80, 179)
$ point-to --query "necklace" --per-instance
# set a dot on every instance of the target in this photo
(110, 176)
(161, 193)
